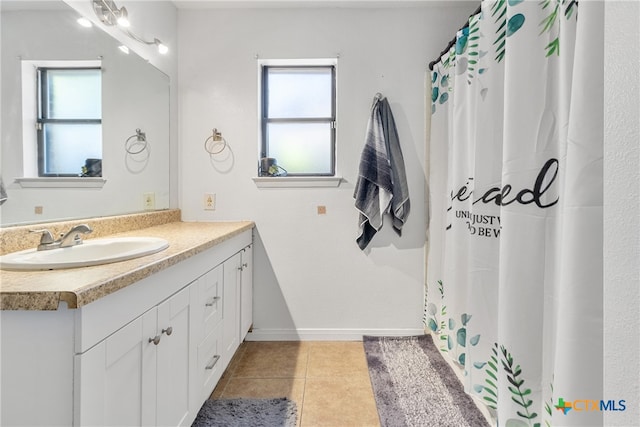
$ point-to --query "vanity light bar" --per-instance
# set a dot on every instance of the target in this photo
(110, 14)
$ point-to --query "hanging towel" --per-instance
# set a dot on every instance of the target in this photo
(374, 187)
(400, 203)
(381, 187)
(3, 192)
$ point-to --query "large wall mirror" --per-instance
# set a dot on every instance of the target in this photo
(135, 95)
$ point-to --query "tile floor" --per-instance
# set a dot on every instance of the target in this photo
(329, 381)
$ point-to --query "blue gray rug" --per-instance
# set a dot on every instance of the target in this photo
(280, 412)
(415, 387)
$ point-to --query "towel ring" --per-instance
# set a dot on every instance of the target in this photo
(217, 139)
(140, 137)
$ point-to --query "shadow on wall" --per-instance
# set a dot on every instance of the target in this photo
(267, 295)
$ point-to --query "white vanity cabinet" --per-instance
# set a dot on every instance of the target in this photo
(140, 374)
(148, 354)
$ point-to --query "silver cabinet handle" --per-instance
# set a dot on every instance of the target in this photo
(211, 301)
(213, 362)
(168, 331)
(155, 340)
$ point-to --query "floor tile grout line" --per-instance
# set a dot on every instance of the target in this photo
(240, 354)
(304, 385)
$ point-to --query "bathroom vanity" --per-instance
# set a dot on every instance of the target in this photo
(139, 342)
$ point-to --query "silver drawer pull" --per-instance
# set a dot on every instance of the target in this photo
(213, 362)
(155, 340)
(168, 331)
(211, 302)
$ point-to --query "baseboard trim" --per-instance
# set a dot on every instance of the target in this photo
(325, 334)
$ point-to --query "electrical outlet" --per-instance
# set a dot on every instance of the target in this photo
(149, 201)
(209, 202)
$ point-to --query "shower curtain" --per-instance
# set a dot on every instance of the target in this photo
(514, 270)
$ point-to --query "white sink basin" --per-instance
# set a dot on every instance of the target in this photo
(90, 252)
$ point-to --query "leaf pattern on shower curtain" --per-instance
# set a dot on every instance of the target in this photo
(489, 389)
(519, 393)
(474, 50)
(440, 81)
(551, 25)
(508, 25)
(436, 323)
(548, 405)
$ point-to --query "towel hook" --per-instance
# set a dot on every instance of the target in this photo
(141, 137)
(377, 97)
(217, 139)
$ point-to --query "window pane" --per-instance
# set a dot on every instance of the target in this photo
(74, 94)
(299, 93)
(301, 148)
(68, 146)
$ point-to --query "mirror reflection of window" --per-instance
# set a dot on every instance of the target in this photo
(69, 122)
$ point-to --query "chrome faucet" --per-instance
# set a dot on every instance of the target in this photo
(70, 238)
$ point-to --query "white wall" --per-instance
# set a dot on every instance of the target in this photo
(311, 280)
(621, 207)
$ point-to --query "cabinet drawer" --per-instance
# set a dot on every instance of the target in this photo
(210, 362)
(210, 296)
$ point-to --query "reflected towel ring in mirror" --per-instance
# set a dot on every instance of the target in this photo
(140, 140)
(215, 140)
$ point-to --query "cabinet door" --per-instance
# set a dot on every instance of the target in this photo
(115, 381)
(175, 356)
(231, 307)
(246, 292)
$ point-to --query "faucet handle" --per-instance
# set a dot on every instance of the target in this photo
(46, 236)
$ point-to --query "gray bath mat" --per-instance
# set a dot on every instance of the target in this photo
(415, 387)
(280, 412)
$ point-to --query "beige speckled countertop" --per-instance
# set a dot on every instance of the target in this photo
(44, 290)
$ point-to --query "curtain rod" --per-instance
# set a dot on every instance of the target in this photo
(453, 41)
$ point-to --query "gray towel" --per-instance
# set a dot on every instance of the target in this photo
(400, 203)
(382, 186)
(3, 192)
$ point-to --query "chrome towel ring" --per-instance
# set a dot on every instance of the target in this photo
(140, 139)
(216, 140)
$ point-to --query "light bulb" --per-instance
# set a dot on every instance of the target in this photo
(124, 49)
(84, 22)
(123, 18)
(162, 48)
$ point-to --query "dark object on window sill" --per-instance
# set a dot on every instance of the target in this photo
(269, 167)
(92, 168)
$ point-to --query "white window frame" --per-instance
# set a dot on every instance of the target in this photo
(295, 181)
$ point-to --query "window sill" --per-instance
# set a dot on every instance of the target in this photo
(61, 182)
(296, 181)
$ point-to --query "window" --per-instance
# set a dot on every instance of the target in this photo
(69, 122)
(298, 113)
